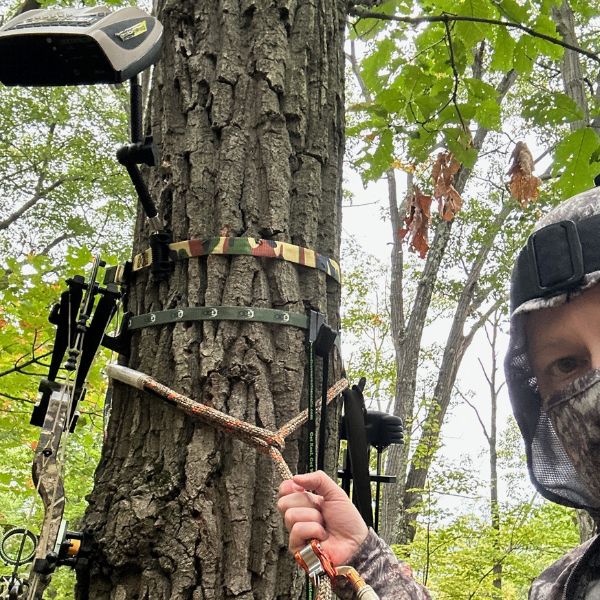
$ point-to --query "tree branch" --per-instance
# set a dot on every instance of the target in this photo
(55, 242)
(39, 195)
(456, 78)
(448, 18)
(469, 403)
(18, 367)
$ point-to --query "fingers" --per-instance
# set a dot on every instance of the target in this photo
(298, 500)
(304, 531)
(302, 514)
(289, 487)
(320, 483)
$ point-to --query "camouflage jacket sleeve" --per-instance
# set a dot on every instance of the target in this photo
(379, 567)
(583, 561)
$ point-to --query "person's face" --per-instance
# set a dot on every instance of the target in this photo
(563, 343)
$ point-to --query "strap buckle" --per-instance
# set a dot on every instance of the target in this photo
(556, 257)
(315, 562)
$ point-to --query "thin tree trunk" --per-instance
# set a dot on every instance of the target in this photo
(399, 503)
(570, 66)
(454, 350)
(247, 109)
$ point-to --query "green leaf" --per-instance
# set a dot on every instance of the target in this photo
(546, 25)
(551, 108)
(574, 160)
(459, 143)
(488, 115)
(504, 48)
(512, 11)
(381, 158)
(376, 61)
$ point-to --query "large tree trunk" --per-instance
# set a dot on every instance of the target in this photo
(247, 109)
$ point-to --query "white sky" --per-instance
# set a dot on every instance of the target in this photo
(462, 433)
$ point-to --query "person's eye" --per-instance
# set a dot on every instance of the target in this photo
(566, 366)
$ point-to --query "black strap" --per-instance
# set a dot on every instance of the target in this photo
(555, 260)
(324, 343)
(358, 450)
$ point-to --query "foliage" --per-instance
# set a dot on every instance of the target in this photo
(60, 179)
(433, 85)
(365, 323)
(63, 197)
(457, 559)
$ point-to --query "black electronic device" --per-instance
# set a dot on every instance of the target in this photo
(77, 46)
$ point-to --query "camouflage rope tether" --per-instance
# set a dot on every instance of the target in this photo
(241, 246)
(264, 440)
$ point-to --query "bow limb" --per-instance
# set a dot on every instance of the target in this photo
(47, 477)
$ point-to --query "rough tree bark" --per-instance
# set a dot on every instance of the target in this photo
(247, 107)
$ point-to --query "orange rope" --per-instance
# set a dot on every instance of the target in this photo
(264, 440)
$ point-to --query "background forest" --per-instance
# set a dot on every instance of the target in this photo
(451, 107)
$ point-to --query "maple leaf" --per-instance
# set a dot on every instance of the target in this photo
(443, 172)
(523, 184)
(416, 222)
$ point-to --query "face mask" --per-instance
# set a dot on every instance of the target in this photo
(575, 415)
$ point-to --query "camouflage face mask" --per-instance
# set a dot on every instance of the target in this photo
(575, 416)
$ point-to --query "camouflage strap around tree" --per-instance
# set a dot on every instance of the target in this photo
(218, 313)
(244, 246)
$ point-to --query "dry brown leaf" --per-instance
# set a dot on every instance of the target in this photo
(450, 206)
(523, 184)
(443, 172)
(418, 215)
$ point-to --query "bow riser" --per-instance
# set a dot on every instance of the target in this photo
(48, 480)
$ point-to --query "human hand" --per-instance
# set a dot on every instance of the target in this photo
(325, 514)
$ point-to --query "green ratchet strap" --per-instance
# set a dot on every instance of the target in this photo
(218, 313)
(245, 246)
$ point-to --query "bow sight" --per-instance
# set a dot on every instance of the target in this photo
(56, 47)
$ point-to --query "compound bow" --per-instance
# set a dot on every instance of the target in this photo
(81, 317)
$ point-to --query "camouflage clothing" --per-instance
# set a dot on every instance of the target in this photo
(575, 416)
(551, 466)
(379, 567)
(575, 576)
